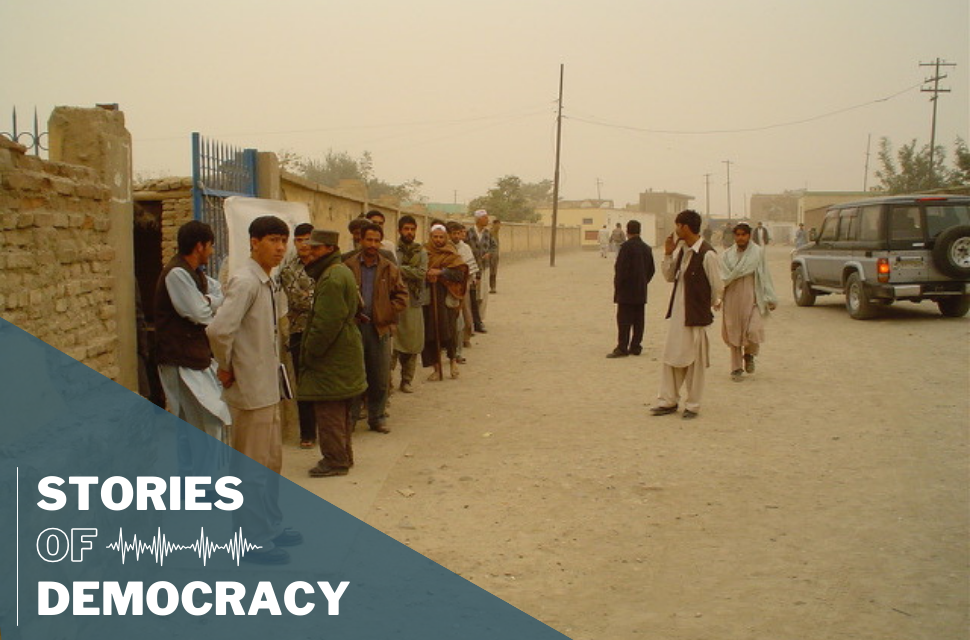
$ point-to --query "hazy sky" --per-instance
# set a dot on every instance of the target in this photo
(457, 94)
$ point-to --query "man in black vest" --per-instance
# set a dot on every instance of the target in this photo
(692, 265)
(632, 273)
(185, 303)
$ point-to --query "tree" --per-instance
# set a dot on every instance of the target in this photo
(913, 173)
(340, 165)
(512, 200)
(962, 172)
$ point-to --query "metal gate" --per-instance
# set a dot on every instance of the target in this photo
(219, 171)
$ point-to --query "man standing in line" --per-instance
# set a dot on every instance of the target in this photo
(760, 235)
(617, 238)
(692, 265)
(447, 279)
(245, 341)
(332, 362)
(603, 236)
(632, 272)
(384, 296)
(749, 295)
(388, 250)
(185, 303)
(298, 287)
(483, 245)
(493, 267)
(463, 323)
(413, 261)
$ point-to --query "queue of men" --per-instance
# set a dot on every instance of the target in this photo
(352, 318)
(738, 283)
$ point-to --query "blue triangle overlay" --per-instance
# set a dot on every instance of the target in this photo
(60, 418)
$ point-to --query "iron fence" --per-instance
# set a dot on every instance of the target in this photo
(35, 140)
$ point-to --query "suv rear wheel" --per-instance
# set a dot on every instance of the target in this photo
(951, 253)
(803, 294)
(955, 307)
(856, 299)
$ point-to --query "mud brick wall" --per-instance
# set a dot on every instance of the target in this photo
(175, 194)
(55, 258)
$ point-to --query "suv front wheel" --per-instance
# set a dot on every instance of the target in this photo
(857, 300)
(803, 294)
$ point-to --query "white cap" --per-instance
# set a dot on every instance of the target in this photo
(481, 213)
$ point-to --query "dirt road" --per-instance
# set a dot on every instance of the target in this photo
(826, 496)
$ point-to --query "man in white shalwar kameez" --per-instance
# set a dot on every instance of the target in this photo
(186, 300)
(749, 295)
(692, 265)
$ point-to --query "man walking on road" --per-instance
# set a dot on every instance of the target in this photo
(760, 235)
(692, 265)
(603, 237)
(245, 342)
(332, 362)
(632, 273)
(617, 238)
(749, 295)
(384, 296)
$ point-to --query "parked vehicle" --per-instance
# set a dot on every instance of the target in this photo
(886, 249)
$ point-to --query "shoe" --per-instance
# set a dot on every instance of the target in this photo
(273, 556)
(466, 344)
(749, 363)
(289, 538)
(461, 360)
(380, 428)
(663, 411)
(480, 329)
(617, 353)
(306, 444)
(434, 377)
(492, 291)
(689, 415)
(326, 471)
(406, 387)
(635, 351)
(454, 369)
(737, 375)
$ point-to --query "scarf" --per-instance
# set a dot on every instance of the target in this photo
(447, 257)
(739, 264)
(411, 257)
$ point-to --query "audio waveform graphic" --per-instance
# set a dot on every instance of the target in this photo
(160, 547)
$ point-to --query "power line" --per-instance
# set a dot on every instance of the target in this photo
(746, 129)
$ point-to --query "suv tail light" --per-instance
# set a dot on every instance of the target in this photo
(883, 269)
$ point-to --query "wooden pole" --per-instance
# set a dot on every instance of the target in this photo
(555, 183)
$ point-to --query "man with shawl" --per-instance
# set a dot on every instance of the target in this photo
(413, 261)
(749, 295)
(447, 278)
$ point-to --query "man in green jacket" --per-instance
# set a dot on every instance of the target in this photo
(332, 356)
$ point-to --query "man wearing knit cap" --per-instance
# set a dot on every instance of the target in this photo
(332, 360)
(483, 246)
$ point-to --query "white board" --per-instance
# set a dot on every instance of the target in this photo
(241, 211)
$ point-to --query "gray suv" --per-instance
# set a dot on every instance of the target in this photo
(886, 249)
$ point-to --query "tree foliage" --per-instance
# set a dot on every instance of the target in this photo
(340, 165)
(910, 171)
(512, 200)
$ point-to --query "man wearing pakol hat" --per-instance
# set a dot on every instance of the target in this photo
(332, 360)
(749, 295)
(483, 246)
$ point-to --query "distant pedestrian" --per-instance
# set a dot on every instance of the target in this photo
(801, 236)
(603, 237)
(692, 265)
(496, 249)
(760, 235)
(633, 271)
(749, 295)
(617, 238)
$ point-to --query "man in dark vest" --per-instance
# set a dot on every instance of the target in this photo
(185, 303)
(692, 265)
(632, 273)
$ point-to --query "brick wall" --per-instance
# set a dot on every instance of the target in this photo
(175, 194)
(55, 257)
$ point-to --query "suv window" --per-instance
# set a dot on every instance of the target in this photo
(940, 219)
(830, 227)
(849, 224)
(904, 224)
(869, 224)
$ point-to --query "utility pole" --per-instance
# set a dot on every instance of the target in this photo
(707, 194)
(865, 179)
(599, 183)
(936, 91)
(728, 163)
(555, 183)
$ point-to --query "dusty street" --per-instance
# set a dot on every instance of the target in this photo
(826, 496)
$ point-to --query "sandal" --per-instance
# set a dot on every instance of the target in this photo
(306, 444)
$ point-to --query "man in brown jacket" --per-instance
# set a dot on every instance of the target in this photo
(383, 296)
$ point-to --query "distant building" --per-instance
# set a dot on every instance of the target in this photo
(591, 215)
(782, 212)
(665, 206)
